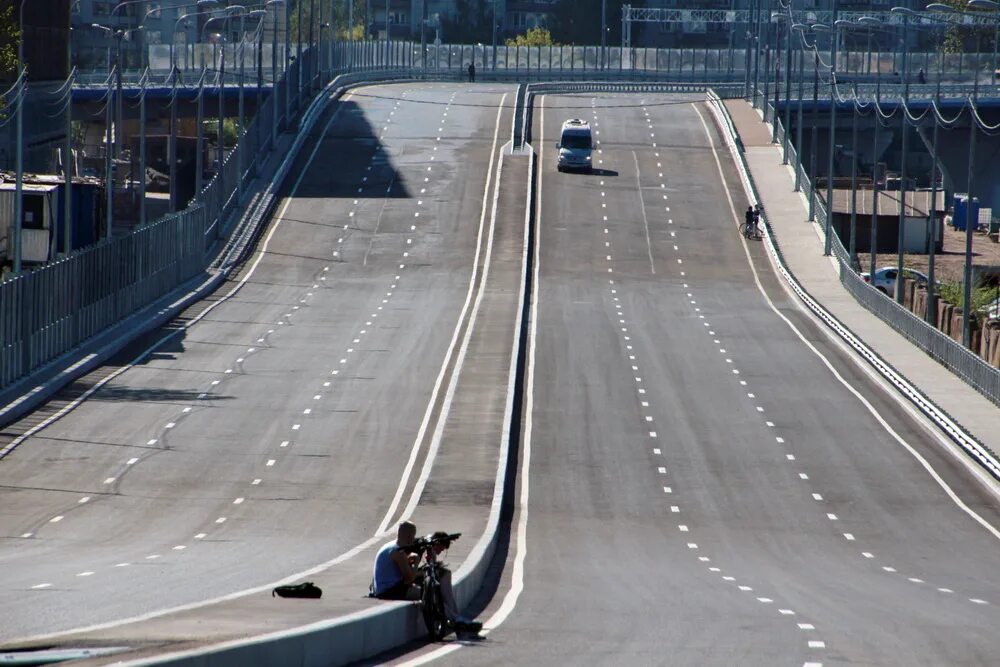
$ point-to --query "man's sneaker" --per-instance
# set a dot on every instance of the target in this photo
(468, 626)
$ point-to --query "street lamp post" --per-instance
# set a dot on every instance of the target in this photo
(142, 149)
(798, 124)
(853, 244)
(875, 175)
(995, 6)
(931, 314)
(183, 18)
(494, 34)
(199, 154)
(904, 127)
(604, 33)
(788, 92)
(970, 225)
(172, 142)
(114, 11)
(274, 70)
(220, 148)
(814, 139)
(828, 244)
(19, 159)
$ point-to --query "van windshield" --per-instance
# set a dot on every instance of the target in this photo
(575, 141)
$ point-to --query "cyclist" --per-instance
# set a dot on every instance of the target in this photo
(396, 578)
(749, 221)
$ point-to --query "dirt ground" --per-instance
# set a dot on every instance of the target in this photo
(949, 264)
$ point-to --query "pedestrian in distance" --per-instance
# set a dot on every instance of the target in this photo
(472, 72)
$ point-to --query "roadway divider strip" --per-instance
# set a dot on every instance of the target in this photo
(978, 452)
(370, 632)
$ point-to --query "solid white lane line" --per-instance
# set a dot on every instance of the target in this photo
(642, 207)
(826, 362)
(425, 422)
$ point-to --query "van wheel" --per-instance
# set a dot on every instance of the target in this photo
(559, 168)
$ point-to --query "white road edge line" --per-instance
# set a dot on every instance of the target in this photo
(517, 572)
(421, 432)
(642, 207)
(347, 555)
(871, 409)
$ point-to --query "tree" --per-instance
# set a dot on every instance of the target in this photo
(534, 37)
(579, 21)
(338, 22)
(956, 38)
(472, 22)
(9, 38)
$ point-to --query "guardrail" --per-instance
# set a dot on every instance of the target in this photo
(975, 449)
(569, 87)
(697, 62)
(48, 311)
(960, 360)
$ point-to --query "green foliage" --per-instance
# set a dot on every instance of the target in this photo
(229, 133)
(471, 24)
(9, 38)
(356, 36)
(959, 39)
(313, 10)
(579, 22)
(982, 297)
(534, 37)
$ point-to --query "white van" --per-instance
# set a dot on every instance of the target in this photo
(575, 146)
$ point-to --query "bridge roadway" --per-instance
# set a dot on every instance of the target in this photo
(702, 489)
(272, 434)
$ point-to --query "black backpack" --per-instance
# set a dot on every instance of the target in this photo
(304, 590)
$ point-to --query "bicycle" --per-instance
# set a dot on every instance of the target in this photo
(431, 603)
(750, 232)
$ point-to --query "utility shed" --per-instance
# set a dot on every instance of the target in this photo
(39, 205)
(44, 226)
(916, 233)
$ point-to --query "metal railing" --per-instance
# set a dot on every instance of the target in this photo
(47, 312)
(960, 360)
(694, 62)
(50, 310)
(42, 316)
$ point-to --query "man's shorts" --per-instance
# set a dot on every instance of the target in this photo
(401, 591)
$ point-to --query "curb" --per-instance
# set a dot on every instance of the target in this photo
(371, 632)
(975, 450)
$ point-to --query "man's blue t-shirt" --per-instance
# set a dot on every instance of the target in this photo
(387, 573)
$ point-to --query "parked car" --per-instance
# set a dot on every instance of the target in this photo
(885, 278)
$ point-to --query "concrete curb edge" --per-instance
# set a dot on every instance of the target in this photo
(978, 452)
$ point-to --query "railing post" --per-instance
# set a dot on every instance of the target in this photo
(142, 150)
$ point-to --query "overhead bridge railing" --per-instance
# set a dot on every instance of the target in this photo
(527, 93)
(42, 317)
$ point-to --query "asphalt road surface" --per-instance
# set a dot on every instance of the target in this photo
(703, 489)
(272, 434)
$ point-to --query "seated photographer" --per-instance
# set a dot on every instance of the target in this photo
(397, 578)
